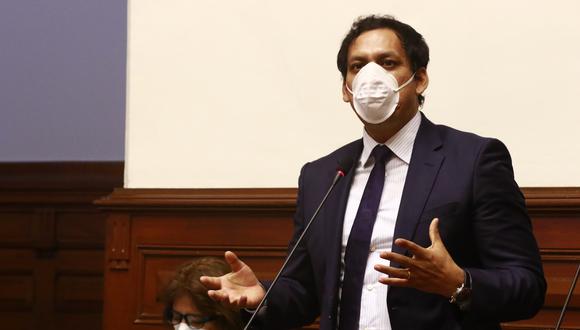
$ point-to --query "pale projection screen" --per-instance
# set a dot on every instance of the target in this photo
(241, 94)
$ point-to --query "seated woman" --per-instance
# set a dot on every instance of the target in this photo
(187, 305)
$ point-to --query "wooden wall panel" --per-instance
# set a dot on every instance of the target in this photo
(51, 243)
(557, 232)
(151, 231)
(158, 264)
(556, 219)
(17, 292)
(17, 321)
(70, 234)
(17, 227)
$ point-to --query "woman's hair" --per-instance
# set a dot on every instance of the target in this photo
(186, 281)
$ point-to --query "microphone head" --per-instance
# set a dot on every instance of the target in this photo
(344, 165)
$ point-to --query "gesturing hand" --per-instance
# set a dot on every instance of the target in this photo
(430, 269)
(238, 289)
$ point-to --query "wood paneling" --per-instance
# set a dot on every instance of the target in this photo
(157, 265)
(16, 291)
(151, 231)
(68, 232)
(52, 243)
(17, 227)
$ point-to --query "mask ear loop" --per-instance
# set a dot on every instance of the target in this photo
(406, 83)
(396, 90)
(348, 89)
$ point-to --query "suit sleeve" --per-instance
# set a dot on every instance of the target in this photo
(293, 301)
(510, 283)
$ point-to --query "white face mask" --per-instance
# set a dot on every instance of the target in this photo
(184, 326)
(375, 93)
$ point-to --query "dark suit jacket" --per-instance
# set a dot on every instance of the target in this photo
(464, 180)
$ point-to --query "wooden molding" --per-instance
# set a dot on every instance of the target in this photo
(119, 241)
(58, 182)
(60, 175)
(563, 199)
(227, 198)
(560, 199)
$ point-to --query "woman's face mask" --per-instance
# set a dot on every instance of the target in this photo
(375, 93)
(189, 321)
(184, 326)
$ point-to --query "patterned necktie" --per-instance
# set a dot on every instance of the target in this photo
(357, 247)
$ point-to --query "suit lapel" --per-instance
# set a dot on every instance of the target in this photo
(423, 168)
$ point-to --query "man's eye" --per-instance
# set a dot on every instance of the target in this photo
(389, 63)
(356, 66)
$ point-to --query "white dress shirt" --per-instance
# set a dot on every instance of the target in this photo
(373, 310)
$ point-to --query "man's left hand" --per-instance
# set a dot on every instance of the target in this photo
(430, 269)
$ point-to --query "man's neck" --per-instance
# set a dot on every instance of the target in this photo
(384, 131)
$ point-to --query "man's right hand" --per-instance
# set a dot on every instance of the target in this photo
(238, 289)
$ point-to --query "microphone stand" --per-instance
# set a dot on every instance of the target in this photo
(339, 174)
(568, 298)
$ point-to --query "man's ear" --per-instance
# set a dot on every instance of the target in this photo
(346, 95)
(422, 80)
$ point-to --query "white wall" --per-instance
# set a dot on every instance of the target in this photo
(241, 93)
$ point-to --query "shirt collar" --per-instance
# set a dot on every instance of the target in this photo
(401, 144)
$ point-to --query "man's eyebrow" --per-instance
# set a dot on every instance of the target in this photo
(388, 54)
(358, 58)
(365, 58)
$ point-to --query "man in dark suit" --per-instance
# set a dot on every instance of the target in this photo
(428, 230)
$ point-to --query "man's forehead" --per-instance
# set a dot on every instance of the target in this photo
(381, 42)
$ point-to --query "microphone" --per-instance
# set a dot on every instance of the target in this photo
(343, 167)
(565, 307)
